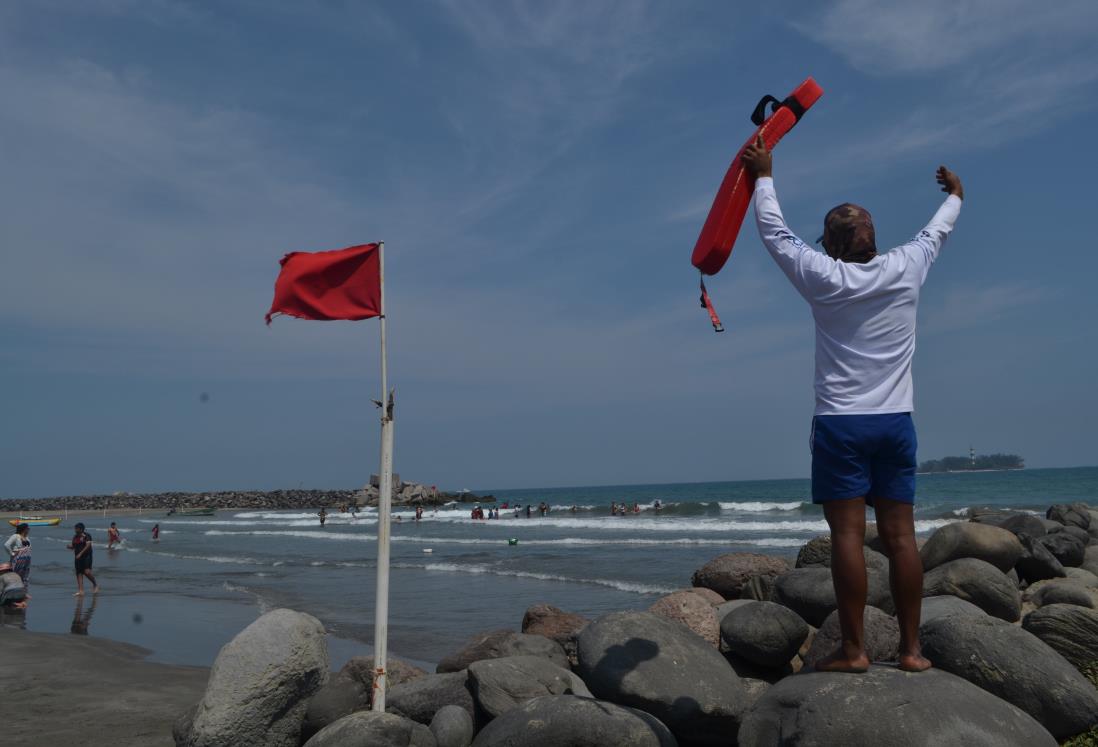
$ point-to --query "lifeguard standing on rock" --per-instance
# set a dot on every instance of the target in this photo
(863, 439)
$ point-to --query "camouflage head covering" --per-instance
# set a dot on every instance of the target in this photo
(848, 234)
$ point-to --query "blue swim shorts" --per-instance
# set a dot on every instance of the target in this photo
(863, 455)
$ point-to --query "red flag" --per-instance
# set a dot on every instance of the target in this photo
(341, 284)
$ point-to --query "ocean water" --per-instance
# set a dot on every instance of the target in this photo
(208, 577)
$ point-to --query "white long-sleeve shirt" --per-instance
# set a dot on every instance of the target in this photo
(865, 313)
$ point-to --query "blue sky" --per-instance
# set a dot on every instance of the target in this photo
(539, 172)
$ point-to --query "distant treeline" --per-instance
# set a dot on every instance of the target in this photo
(983, 461)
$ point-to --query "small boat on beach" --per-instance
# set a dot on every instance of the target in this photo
(36, 521)
(191, 512)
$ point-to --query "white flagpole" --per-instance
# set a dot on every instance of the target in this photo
(385, 489)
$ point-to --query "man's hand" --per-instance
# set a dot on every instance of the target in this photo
(757, 158)
(950, 182)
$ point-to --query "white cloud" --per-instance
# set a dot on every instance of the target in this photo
(938, 35)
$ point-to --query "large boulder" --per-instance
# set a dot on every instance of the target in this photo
(886, 706)
(641, 660)
(1090, 559)
(1012, 664)
(1069, 629)
(350, 690)
(1083, 535)
(727, 574)
(420, 699)
(568, 721)
(708, 595)
(809, 592)
(499, 685)
(764, 633)
(1067, 548)
(815, 552)
(935, 607)
(1032, 525)
(499, 643)
(556, 625)
(732, 604)
(1074, 514)
(968, 539)
(692, 611)
(452, 727)
(978, 582)
(373, 729)
(882, 637)
(261, 682)
(1036, 562)
(1064, 591)
(1082, 577)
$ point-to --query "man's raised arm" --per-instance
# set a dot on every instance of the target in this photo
(926, 245)
(806, 269)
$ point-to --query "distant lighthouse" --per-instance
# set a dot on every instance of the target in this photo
(972, 456)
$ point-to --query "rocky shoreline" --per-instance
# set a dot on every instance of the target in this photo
(404, 494)
(1010, 622)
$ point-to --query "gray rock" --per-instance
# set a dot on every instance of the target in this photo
(261, 682)
(732, 604)
(1066, 548)
(1013, 577)
(420, 699)
(882, 637)
(498, 685)
(968, 539)
(815, 552)
(452, 727)
(569, 721)
(935, 607)
(641, 660)
(755, 689)
(1075, 514)
(727, 574)
(1083, 535)
(978, 582)
(758, 588)
(810, 593)
(351, 690)
(373, 729)
(1036, 562)
(499, 643)
(764, 633)
(1032, 525)
(1064, 592)
(181, 727)
(1090, 559)
(886, 707)
(1082, 576)
(1012, 664)
(1069, 629)
(556, 625)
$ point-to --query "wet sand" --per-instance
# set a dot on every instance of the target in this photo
(73, 689)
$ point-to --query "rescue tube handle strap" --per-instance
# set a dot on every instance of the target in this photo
(708, 306)
(759, 115)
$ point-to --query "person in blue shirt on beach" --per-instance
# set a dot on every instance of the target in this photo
(863, 438)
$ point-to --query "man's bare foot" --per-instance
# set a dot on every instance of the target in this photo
(95, 590)
(840, 662)
(78, 594)
(914, 663)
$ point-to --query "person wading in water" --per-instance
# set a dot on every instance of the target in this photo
(863, 439)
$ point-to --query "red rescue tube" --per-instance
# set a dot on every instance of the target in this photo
(718, 235)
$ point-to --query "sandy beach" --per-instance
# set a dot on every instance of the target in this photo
(86, 690)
